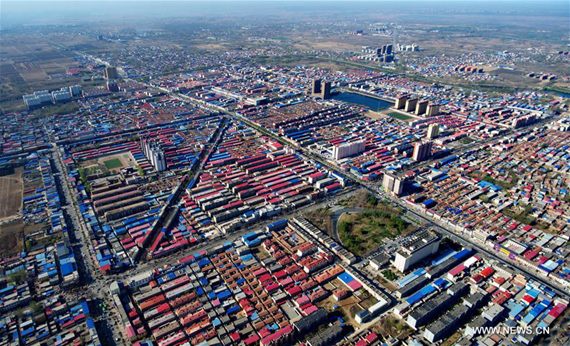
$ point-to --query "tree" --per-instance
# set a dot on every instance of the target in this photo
(18, 277)
(140, 171)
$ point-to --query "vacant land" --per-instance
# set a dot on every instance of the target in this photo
(375, 115)
(10, 194)
(393, 327)
(363, 232)
(321, 218)
(11, 238)
(348, 306)
(60, 108)
(31, 72)
(117, 162)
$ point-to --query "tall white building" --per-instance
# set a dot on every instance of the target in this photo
(75, 90)
(433, 131)
(422, 151)
(154, 154)
(61, 95)
(38, 98)
(347, 149)
(415, 248)
(393, 184)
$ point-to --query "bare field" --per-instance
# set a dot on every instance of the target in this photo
(11, 188)
(58, 66)
(31, 72)
(11, 238)
(118, 161)
(375, 115)
(328, 45)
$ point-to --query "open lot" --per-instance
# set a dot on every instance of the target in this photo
(11, 238)
(31, 72)
(117, 162)
(10, 194)
(348, 306)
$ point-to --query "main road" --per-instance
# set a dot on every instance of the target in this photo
(94, 287)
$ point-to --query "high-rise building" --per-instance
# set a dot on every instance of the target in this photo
(347, 149)
(411, 105)
(43, 97)
(320, 88)
(400, 101)
(421, 107)
(432, 110)
(112, 86)
(316, 87)
(433, 131)
(37, 99)
(154, 154)
(326, 89)
(111, 72)
(75, 90)
(393, 184)
(62, 95)
(422, 151)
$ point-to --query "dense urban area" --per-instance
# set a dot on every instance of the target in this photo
(310, 174)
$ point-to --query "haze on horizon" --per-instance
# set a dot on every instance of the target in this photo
(26, 13)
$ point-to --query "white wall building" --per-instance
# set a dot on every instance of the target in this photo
(415, 248)
(348, 149)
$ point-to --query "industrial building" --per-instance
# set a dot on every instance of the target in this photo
(415, 248)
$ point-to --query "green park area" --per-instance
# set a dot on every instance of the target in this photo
(362, 232)
(365, 221)
(400, 116)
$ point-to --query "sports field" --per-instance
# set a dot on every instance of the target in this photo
(400, 116)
